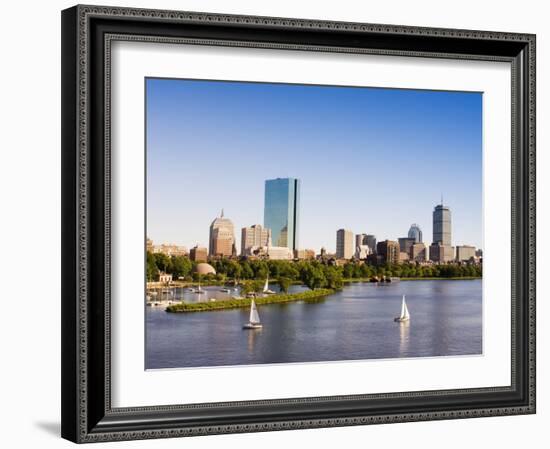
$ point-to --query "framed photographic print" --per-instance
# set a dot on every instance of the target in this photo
(277, 223)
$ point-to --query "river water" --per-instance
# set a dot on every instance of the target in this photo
(353, 324)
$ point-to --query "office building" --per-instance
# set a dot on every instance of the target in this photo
(360, 239)
(362, 252)
(198, 254)
(442, 225)
(344, 244)
(388, 252)
(405, 244)
(270, 252)
(255, 235)
(282, 211)
(465, 253)
(370, 241)
(415, 233)
(170, 249)
(304, 254)
(222, 237)
(418, 253)
(441, 253)
(403, 257)
(441, 250)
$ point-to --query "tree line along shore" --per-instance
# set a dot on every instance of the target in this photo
(314, 274)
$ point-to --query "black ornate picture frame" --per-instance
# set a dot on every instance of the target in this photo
(87, 413)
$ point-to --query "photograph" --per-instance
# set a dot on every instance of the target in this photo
(301, 223)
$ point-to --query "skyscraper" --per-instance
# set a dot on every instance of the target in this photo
(405, 244)
(415, 233)
(370, 241)
(388, 251)
(282, 211)
(360, 239)
(344, 244)
(441, 249)
(442, 225)
(222, 237)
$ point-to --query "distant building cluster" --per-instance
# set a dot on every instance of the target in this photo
(168, 249)
(277, 238)
(410, 248)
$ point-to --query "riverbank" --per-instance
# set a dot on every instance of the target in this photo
(440, 278)
(454, 278)
(184, 307)
(214, 283)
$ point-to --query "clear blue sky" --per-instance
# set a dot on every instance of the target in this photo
(369, 160)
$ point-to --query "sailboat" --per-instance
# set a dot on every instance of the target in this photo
(404, 312)
(266, 289)
(199, 290)
(254, 320)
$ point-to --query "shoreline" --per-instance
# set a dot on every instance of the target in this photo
(179, 284)
(225, 304)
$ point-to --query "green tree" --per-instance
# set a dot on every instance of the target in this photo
(152, 270)
(333, 277)
(284, 284)
(247, 272)
(163, 262)
(313, 276)
(257, 286)
(181, 266)
(348, 270)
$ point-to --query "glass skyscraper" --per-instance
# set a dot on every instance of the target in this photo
(281, 211)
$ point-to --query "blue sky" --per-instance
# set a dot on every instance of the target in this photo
(369, 160)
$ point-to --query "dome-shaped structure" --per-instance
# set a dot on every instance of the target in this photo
(204, 269)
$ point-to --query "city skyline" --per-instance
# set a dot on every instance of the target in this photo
(373, 174)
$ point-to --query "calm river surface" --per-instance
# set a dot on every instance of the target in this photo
(356, 323)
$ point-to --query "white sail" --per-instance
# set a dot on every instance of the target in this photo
(406, 315)
(404, 310)
(254, 317)
(266, 285)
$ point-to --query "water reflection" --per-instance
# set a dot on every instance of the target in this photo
(253, 335)
(404, 330)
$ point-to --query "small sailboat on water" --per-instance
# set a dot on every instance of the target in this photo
(199, 290)
(254, 320)
(266, 289)
(404, 316)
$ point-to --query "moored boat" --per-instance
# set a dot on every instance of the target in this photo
(266, 289)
